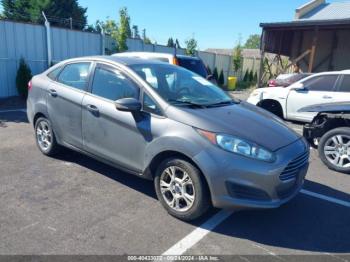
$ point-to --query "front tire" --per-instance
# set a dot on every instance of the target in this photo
(334, 149)
(45, 137)
(181, 189)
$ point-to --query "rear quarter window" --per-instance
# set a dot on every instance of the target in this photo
(54, 73)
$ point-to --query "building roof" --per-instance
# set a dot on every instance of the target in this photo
(325, 14)
(328, 11)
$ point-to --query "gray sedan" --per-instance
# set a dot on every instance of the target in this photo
(162, 122)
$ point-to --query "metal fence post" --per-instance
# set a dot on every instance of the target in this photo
(48, 40)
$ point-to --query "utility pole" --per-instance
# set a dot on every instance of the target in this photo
(144, 34)
(48, 40)
(71, 23)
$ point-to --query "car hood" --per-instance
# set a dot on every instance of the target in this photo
(242, 120)
(327, 108)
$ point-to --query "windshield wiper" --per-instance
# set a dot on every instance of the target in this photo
(185, 103)
(222, 103)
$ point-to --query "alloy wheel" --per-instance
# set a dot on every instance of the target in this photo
(44, 135)
(337, 150)
(177, 188)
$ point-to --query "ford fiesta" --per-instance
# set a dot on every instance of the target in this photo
(162, 122)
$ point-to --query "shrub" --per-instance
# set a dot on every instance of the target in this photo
(255, 78)
(215, 74)
(221, 80)
(208, 70)
(24, 74)
(251, 76)
(246, 75)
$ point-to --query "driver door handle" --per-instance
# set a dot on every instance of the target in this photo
(53, 92)
(327, 97)
(92, 108)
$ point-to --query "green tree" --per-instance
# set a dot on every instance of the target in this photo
(237, 58)
(251, 76)
(215, 74)
(177, 43)
(209, 70)
(136, 32)
(246, 76)
(124, 29)
(221, 80)
(255, 78)
(58, 11)
(191, 46)
(146, 40)
(253, 42)
(24, 75)
(170, 42)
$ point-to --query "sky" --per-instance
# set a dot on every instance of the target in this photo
(213, 23)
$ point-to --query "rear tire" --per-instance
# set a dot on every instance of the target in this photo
(45, 137)
(334, 149)
(181, 189)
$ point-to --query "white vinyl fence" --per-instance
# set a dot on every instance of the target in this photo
(30, 41)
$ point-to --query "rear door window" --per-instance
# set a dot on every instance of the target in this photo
(54, 73)
(75, 75)
(345, 84)
(323, 83)
(194, 65)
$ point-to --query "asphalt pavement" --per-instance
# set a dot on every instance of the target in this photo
(74, 205)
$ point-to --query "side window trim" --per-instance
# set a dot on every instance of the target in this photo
(88, 77)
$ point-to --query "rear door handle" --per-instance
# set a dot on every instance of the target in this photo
(327, 97)
(53, 92)
(92, 108)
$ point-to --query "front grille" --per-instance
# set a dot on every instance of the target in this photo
(293, 168)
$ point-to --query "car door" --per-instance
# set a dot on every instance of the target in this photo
(317, 90)
(117, 136)
(65, 95)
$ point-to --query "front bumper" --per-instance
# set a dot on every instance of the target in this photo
(237, 181)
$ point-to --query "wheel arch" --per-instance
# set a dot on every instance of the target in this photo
(161, 156)
(270, 102)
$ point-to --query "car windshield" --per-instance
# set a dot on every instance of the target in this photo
(181, 87)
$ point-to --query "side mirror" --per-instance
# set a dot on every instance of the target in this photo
(211, 79)
(299, 87)
(128, 105)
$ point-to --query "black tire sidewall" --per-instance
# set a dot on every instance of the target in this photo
(52, 149)
(201, 203)
(323, 140)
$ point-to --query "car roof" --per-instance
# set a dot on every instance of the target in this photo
(144, 54)
(153, 54)
(127, 61)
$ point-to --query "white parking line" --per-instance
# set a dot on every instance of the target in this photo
(327, 198)
(197, 234)
(200, 232)
(14, 110)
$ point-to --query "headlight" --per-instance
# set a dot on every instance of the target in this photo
(238, 146)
